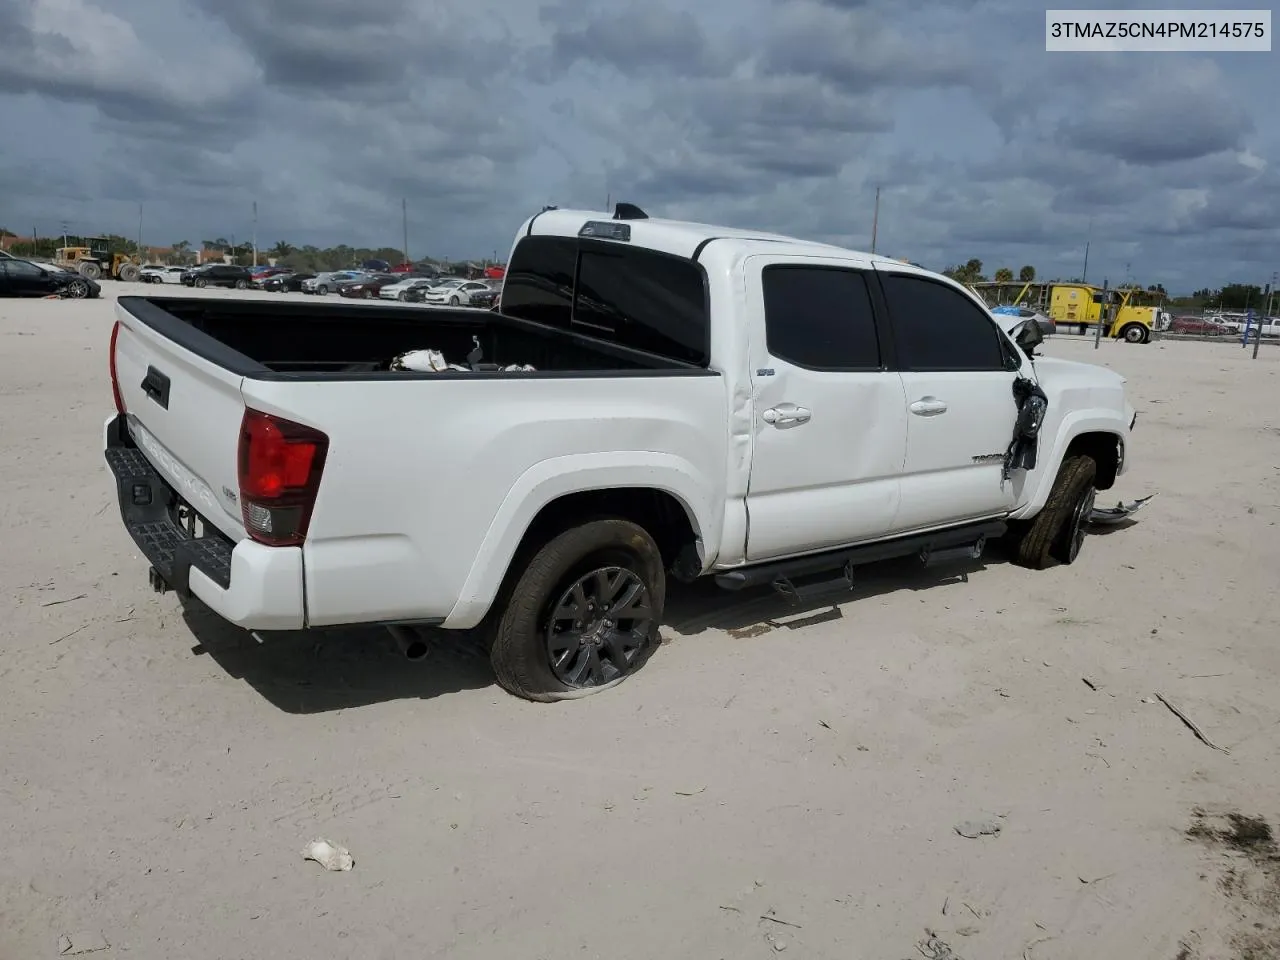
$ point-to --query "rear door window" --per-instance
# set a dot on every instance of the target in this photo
(820, 318)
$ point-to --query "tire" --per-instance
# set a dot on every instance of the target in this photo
(454, 301)
(403, 297)
(77, 290)
(322, 290)
(242, 284)
(90, 270)
(1134, 333)
(595, 557)
(201, 282)
(367, 294)
(128, 272)
(1057, 531)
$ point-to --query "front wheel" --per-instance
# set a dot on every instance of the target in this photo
(1058, 530)
(242, 284)
(454, 301)
(77, 290)
(201, 282)
(1134, 333)
(582, 615)
(322, 290)
(368, 294)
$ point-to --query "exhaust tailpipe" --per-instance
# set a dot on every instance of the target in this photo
(410, 643)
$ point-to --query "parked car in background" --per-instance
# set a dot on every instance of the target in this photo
(1199, 325)
(422, 269)
(162, 274)
(23, 278)
(286, 282)
(456, 293)
(367, 288)
(376, 266)
(322, 283)
(403, 288)
(218, 275)
(485, 299)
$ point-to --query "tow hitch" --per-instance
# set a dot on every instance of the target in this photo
(158, 583)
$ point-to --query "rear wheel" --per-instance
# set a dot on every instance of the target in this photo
(201, 282)
(90, 270)
(583, 613)
(1058, 530)
(242, 284)
(1134, 333)
(128, 272)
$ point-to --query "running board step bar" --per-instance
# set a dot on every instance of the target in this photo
(942, 546)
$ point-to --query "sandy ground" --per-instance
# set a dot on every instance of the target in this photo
(773, 779)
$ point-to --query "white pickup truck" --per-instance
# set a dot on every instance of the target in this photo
(703, 401)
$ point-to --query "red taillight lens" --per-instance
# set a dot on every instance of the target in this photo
(111, 365)
(280, 463)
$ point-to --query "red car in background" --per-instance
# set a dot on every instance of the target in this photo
(1199, 326)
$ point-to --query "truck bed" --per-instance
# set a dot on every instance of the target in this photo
(274, 340)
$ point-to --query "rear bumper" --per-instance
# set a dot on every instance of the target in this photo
(248, 584)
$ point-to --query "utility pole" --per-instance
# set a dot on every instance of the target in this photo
(140, 256)
(875, 221)
(1084, 274)
(255, 233)
(1257, 339)
(404, 223)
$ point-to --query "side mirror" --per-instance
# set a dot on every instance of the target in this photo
(1028, 337)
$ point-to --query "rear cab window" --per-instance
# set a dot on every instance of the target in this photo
(631, 296)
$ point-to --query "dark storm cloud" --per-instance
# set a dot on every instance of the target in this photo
(322, 47)
(76, 52)
(633, 39)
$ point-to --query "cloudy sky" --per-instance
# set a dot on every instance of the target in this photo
(774, 114)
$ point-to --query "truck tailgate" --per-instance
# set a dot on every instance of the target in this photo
(184, 413)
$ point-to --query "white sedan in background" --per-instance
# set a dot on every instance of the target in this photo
(399, 291)
(162, 274)
(456, 293)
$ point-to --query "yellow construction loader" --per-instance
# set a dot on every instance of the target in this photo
(95, 260)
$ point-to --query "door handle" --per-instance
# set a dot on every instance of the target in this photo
(928, 407)
(786, 413)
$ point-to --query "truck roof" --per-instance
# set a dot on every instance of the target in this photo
(683, 238)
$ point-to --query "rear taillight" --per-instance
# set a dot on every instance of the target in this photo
(111, 365)
(280, 463)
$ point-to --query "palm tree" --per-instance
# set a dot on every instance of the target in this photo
(1027, 274)
(1004, 275)
(281, 250)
